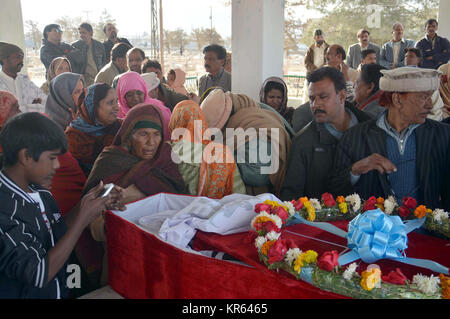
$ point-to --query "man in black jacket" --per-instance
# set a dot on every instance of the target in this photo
(400, 153)
(110, 31)
(93, 54)
(313, 148)
(52, 47)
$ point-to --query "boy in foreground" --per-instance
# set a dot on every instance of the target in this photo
(35, 241)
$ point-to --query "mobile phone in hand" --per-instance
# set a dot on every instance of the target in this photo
(106, 190)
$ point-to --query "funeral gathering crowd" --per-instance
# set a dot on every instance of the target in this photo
(375, 124)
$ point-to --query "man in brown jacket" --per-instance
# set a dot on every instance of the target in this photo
(315, 57)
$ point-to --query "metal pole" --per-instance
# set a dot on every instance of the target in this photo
(161, 36)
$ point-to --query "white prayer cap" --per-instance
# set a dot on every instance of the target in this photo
(410, 79)
(151, 80)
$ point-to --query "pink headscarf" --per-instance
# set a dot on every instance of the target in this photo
(133, 81)
(7, 100)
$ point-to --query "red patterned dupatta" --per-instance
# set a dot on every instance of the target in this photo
(218, 166)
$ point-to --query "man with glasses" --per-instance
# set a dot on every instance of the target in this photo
(401, 152)
(53, 47)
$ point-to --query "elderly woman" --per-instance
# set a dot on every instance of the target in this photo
(138, 161)
(67, 91)
(132, 90)
(207, 168)
(95, 126)
(367, 91)
(59, 65)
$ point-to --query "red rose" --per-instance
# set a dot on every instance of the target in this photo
(298, 205)
(409, 202)
(277, 251)
(328, 200)
(270, 226)
(404, 212)
(328, 260)
(395, 277)
(370, 204)
(280, 212)
(262, 207)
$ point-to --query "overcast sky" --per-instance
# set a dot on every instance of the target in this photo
(133, 16)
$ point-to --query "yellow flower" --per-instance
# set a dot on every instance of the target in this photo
(343, 207)
(266, 247)
(311, 212)
(271, 203)
(261, 220)
(275, 204)
(370, 278)
(298, 264)
(309, 257)
(380, 203)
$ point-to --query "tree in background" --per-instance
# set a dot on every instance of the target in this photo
(105, 18)
(70, 28)
(206, 36)
(342, 19)
(292, 30)
(33, 33)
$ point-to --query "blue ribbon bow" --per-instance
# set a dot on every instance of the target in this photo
(374, 235)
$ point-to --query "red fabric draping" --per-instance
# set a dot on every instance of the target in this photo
(142, 266)
(67, 187)
(67, 183)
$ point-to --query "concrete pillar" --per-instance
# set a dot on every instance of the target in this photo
(11, 25)
(444, 18)
(257, 43)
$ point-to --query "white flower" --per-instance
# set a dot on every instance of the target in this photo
(439, 215)
(428, 285)
(277, 220)
(290, 207)
(354, 201)
(292, 255)
(350, 271)
(389, 205)
(259, 242)
(315, 203)
(272, 236)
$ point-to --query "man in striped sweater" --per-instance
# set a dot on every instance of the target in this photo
(401, 152)
(35, 240)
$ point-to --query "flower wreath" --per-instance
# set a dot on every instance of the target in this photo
(324, 271)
